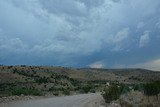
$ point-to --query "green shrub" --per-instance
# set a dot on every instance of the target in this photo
(26, 91)
(42, 80)
(57, 88)
(124, 88)
(5, 93)
(66, 92)
(125, 104)
(152, 89)
(86, 88)
(56, 93)
(111, 93)
(92, 90)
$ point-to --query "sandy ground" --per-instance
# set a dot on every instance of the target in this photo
(83, 100)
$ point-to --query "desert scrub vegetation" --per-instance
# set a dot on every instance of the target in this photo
(66, 92)
(9, 89)
(111, 93)
(26, 91)
(133, 95)
(86, 88)
(125, 103)
(56, 80)
(114, 91)
(152, 89)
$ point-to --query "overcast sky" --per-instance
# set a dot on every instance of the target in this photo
(81, 33)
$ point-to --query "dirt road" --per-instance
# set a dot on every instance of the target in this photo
(83, 100)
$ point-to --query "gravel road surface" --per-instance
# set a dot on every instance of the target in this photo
(82, 100)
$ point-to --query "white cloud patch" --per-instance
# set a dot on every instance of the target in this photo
(12, 45)
(97, 64)
(121, 35)
(158, 24)
(152, 65)
(67, 7)
(140, 25)
(144, 39)
(118, 40)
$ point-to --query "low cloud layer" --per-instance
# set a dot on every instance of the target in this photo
(98, 64)
(79, 32)
(152, 65)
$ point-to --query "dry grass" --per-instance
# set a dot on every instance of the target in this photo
(138, 99)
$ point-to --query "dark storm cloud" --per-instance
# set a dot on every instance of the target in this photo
(79, 32)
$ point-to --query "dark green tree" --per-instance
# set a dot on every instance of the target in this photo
(152, 89)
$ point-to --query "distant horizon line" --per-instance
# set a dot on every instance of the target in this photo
(23, 65)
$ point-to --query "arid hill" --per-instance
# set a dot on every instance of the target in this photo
(37, 80)
(17, 73)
